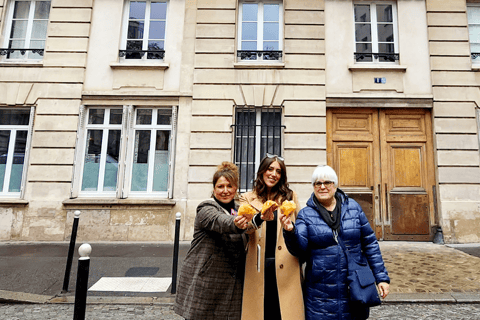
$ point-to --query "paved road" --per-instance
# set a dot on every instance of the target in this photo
(164, 312)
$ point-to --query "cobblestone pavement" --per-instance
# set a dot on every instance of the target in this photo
(165, 312)
(429, 268)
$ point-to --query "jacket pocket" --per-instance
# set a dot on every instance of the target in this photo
(206, 266)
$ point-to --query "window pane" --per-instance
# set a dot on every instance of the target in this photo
(19, 29)
(137, 10)
(4, 142)
(473, 13)
(362, 13)
(270, 46)
(116, 116)
(91, 166)
(474, 32)
(384, 13)
(363, 32)
(18, 160)
(157, 30)
(111, 163)
(385, 33)
(249, 31)
(96, 116)
(144, 116)
(14, 117)
(161, 164)
(271, 12)
(270, 31)
(164, 116)
(136, 29)
(250, 11)
(475, 48)
(364, 48)
(42, 10)
(39, 29)
(249, 45)
(21, 10)
(134, 45)
(385, 48)
(158, 10)
(140, 161)
(271, 124)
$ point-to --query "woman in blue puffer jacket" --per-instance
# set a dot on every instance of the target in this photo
(312, 240)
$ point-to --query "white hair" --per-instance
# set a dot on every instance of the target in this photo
(324, 172)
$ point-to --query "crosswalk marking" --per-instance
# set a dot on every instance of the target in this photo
(132, 284)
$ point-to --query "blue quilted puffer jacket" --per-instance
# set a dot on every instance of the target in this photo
(325, 287)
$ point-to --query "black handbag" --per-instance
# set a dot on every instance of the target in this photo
(361, 282)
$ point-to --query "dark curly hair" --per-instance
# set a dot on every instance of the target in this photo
(280, 191)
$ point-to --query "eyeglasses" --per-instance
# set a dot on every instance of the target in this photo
(327, 184)
(269, 155)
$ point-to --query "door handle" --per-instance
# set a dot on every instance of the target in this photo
(387, 205)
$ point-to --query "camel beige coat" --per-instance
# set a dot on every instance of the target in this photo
(287, 269)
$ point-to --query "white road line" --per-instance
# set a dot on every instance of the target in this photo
(132, 284)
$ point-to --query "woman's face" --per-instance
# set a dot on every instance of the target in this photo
(224, 191)
(272, 175)
(324, 191)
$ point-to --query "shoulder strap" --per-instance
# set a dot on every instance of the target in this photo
(341, 243)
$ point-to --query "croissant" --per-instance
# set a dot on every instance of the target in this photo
(247, 211)
(288, 207)
(268, 204)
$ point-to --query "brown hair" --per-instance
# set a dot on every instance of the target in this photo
(227, 170)
(280, 191)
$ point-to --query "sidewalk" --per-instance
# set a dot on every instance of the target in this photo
(34, 272)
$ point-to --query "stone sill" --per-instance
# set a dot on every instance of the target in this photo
(476, 67)
(74, 203)
(259, 65)
(12, 202)
(18, 63)
(377, 67)
(139, 65)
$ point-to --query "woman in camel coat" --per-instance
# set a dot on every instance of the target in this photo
(267, 250)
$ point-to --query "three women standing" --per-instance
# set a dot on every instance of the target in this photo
(211, 281)
(272, 287)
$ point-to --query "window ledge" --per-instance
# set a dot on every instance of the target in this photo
(112, 202)
(13, 202)
(139, 65)
(248, 65)
(375, 67)
(476, 67)
(18, 63)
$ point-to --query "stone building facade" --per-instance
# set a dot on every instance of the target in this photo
(130, 105)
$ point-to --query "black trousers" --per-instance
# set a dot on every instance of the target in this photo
(271, 309)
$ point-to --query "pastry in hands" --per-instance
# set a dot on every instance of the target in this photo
(288, 207)
(247, 211)
(268, 204)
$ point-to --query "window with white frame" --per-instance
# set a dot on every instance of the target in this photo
(258, 131)
(14, 140)
(126, 151)
(144, 30)
(376, 33)
(25, 29)
(473, 14)
(260, 30)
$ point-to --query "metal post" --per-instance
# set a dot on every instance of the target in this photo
(71, 249)
(175, 253)
(82, 282)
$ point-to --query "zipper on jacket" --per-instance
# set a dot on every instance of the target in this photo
(335, 235)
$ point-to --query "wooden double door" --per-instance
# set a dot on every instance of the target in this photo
(384, 160)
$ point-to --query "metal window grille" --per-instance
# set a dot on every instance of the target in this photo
(257, 131)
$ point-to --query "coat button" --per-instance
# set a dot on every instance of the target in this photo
(281, 266)
(279, 247)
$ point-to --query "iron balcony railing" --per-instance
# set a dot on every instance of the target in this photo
(8, 51)
(139, 54)
(369, 56)
(259, 55)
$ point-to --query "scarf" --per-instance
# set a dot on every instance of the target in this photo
(332, 218)
(227, 206)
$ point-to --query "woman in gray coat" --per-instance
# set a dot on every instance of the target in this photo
(211, 281)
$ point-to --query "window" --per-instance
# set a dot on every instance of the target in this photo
(376, 37)
(473, 14)
(144, 30)
(26, 29)
(257, 131)
(260, 30)
(14, 138)
(126, 151)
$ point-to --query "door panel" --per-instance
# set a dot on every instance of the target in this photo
(384, 160)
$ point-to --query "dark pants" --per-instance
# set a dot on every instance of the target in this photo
(271, 307)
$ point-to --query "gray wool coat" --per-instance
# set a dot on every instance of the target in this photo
(211, 281)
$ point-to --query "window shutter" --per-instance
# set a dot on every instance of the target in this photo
(79, 150)
(123, 154)
(173, 140)
(129, 148)
(27, 153)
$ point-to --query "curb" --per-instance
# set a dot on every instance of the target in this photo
(448, 297)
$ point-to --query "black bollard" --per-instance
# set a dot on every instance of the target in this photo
(71, 249)
(82, 282)
(175, 253)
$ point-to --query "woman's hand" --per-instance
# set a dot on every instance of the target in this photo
(287, 224)
(384, 289)
(241, 222)
(268, 214)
